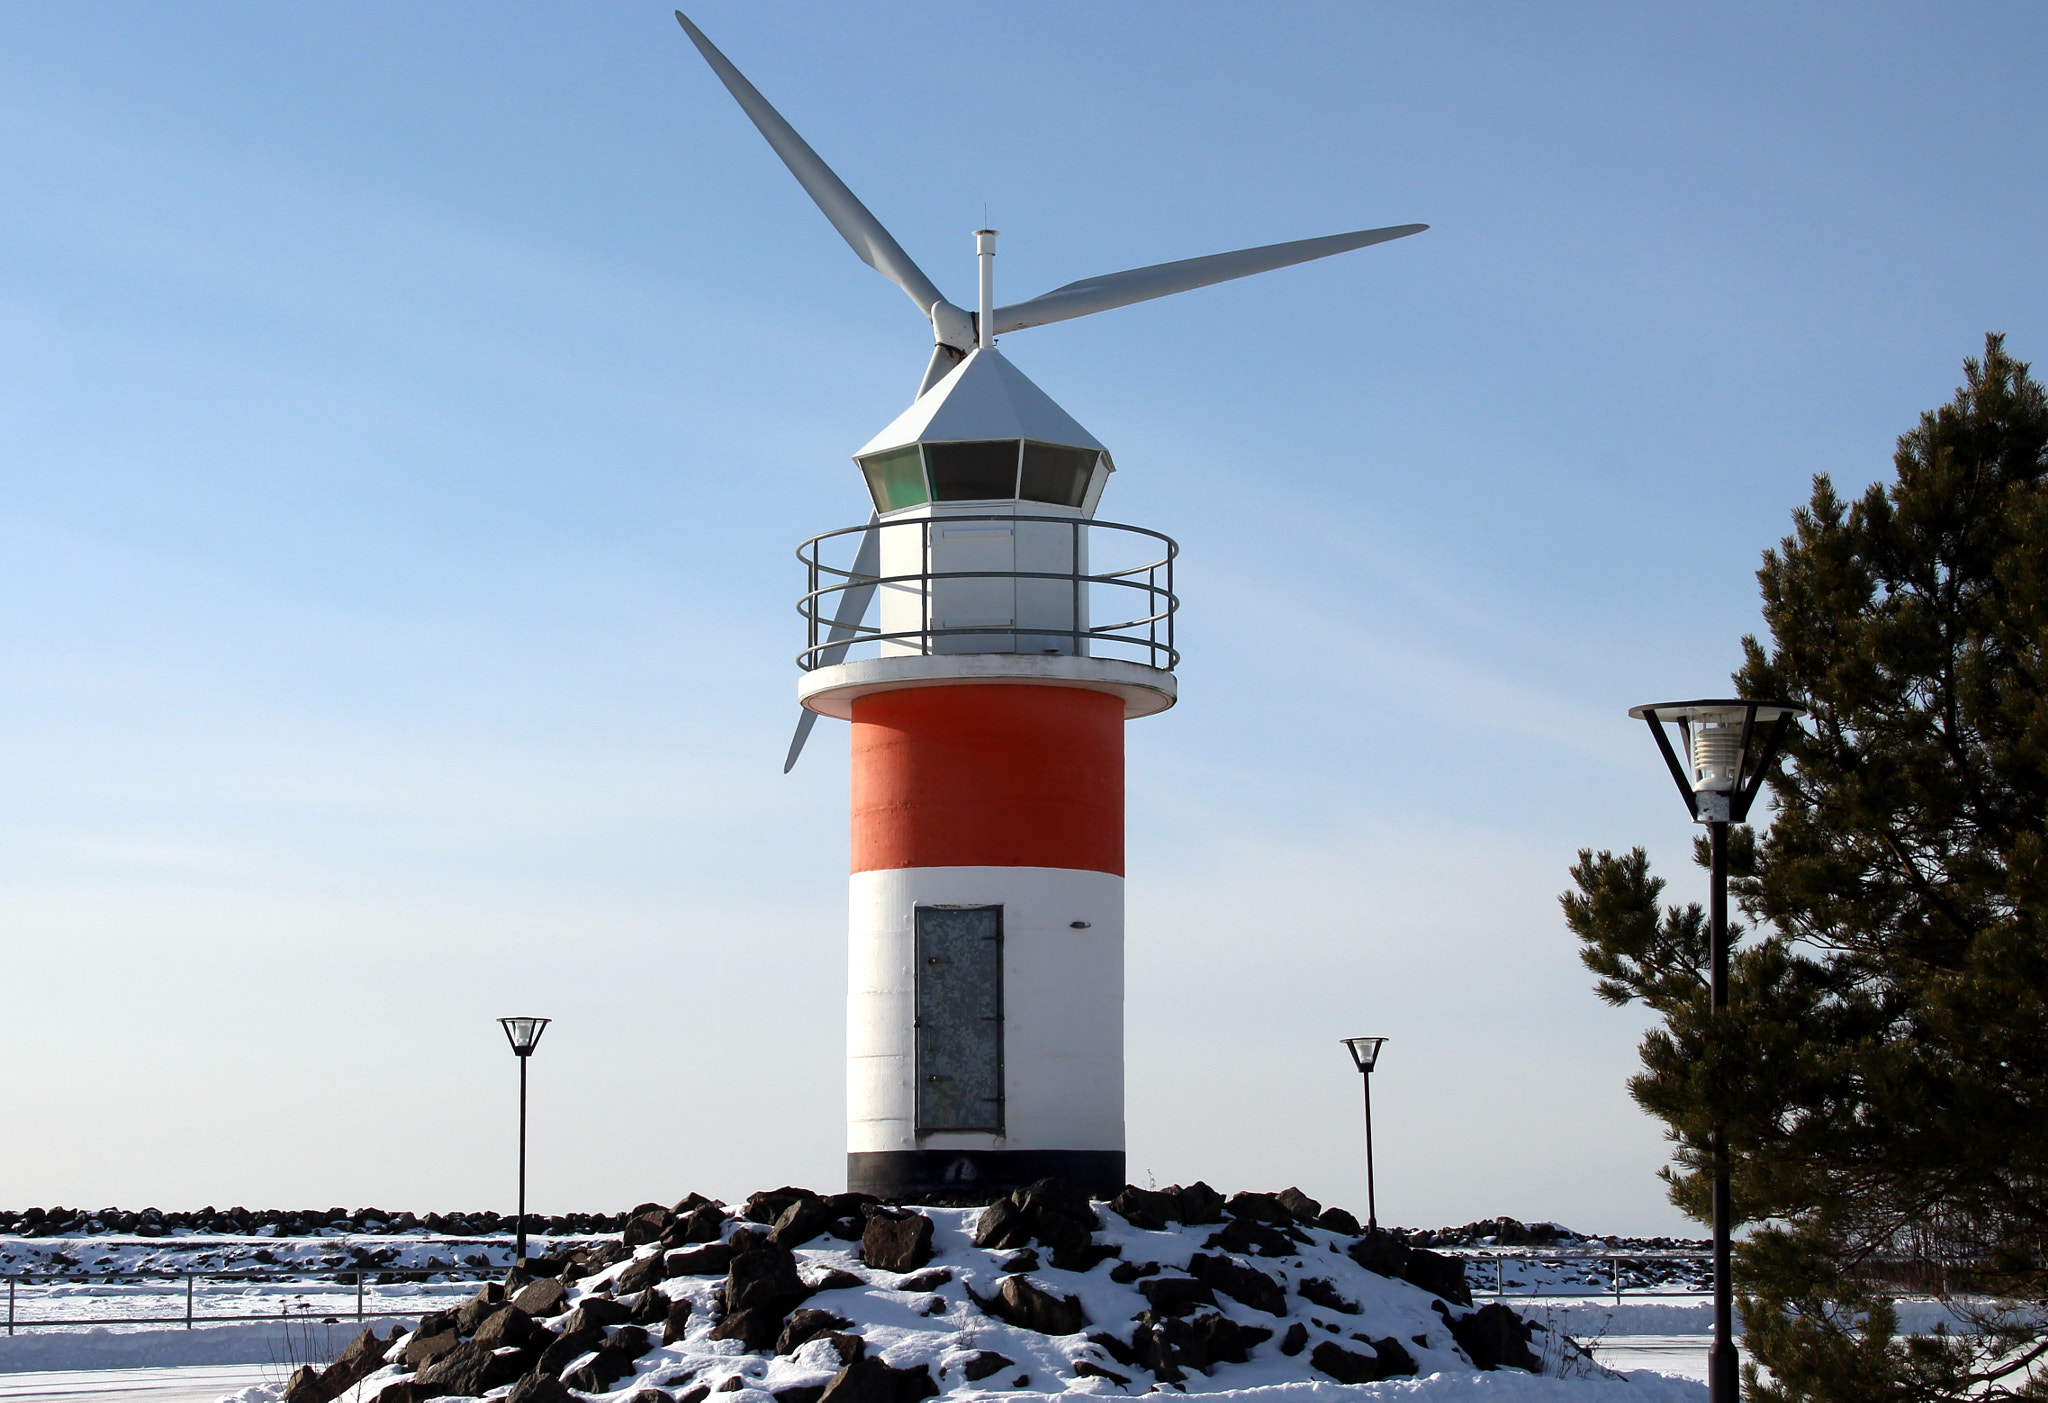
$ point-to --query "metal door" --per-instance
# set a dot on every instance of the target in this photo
(959, 1018)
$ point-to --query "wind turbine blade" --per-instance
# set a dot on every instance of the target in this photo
(849, 216)
(804, 721)
(1165, 279)
(846, 620)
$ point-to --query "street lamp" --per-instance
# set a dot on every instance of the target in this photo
(1725, 769)
(524, 1035)
(1365, 1052)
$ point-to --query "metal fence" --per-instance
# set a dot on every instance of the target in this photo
(193, 1316)
(1614, 1264)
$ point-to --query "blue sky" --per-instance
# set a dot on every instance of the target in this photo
(407, 414)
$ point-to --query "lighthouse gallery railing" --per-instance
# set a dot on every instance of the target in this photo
(1144, 589)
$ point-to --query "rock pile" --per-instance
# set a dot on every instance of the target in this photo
(797, 1297)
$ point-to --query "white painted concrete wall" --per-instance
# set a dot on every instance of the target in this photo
(1063, 1031)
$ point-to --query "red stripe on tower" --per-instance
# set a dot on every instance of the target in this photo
(988, 776)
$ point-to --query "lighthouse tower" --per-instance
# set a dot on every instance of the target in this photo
(1014, 634)
(985, 1002)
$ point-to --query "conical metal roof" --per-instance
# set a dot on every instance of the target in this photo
(984, 397)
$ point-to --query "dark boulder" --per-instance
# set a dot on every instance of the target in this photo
(543, 1298)
(628, 1340)
(304, 1386)
(764, 1208)
(1250, 1238)
(1088, 1369)
(764, 1277)
(595, 1311)
(801, 1221)
(1325, 1293)
(566, 1350)
(650, 1307)
(980, 1365)
(433, 1323)
(1337, 1220)
(1382, 1252)
(1001, 1227)
(896, 1241)
(678, 1320)
(599, 1373)
(925, 1280)
(708, 1260)
(1350, 1367)
(796, 1393)
(756, 1327)
(1260, 1208)
(1022, 1304)
(833, 1279)
(460, 1373)
(1124, 1273)
(871, 1381)
(363, 1357)
(705, 1223)
(1295, 1340)
(1176, 1295)
(650, 1395)
(422, 1350)
(1438, 1275)
(538, 1388)
(1305, 1209)
(1245, 1284)
(1494, 1337)
(1027, 1260)
(472, 1312)
(506, 1327)
(1199, 1204)
(1146, 1208)
(640, 1274)
(807, 1325)
(646, 1225)
(1051, 1212)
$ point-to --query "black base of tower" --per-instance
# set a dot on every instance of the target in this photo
(978, 1176)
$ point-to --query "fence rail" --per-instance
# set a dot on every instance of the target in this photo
(192, 1317)
(1614, 1262)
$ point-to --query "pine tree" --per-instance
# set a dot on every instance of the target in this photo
(1883, 1066)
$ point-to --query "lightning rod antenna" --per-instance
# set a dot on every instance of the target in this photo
(985, 324)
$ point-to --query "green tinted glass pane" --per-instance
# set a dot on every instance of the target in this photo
(895, 478)
(1056, 475)
(973, 472)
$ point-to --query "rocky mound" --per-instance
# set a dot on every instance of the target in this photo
(805, 1298)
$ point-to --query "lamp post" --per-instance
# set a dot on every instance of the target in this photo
(524, 1035)
(1725, 768)
(1365, 1052)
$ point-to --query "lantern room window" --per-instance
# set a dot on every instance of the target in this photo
(1056, 475)
(980, 470)
(895, 478)
(973, 472)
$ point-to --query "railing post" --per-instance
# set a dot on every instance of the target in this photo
(10, 1305)
(188, 1300)
(1074, 570)
(359, 1295)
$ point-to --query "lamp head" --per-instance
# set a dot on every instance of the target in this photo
(524, 1033)
(1364, 1051)
(1729, 743)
